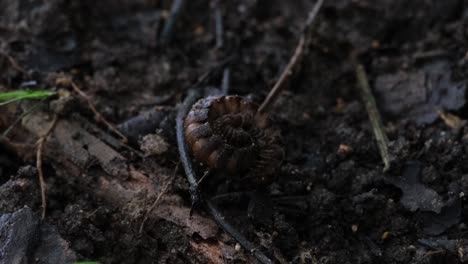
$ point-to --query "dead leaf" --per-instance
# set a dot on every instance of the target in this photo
(416, 196)
(416, 94)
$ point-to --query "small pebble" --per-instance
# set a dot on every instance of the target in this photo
(237, 247)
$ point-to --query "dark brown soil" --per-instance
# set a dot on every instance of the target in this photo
(346, 210)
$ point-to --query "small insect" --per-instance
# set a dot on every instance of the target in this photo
(227, 134)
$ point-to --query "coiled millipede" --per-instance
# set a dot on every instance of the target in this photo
(231, 134)
(226, 134)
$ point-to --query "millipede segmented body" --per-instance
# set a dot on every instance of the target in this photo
(225, 133)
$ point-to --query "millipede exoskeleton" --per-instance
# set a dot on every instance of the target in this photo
(227, 134)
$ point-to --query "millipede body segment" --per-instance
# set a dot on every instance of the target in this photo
(225, 133)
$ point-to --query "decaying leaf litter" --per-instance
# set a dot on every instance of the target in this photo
(99, 189)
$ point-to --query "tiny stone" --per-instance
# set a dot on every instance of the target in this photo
(344, 149)
(385, 235)
(237, 247)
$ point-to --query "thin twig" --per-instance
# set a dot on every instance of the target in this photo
(313, 14)
(40, 145)
(287, 72)
(203, 177)
(427, 55)
(279, 85)
(374, 115)
(176, 8)
(97, 115)
(163, 191)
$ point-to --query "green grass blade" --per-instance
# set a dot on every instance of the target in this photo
(9, 97)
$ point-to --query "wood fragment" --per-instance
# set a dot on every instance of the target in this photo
(374, 115)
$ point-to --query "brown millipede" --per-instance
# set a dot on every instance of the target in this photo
(226, 134)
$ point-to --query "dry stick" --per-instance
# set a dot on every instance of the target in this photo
(40, 145)
(163, 191)
(97, 115)
(279, 85)
(374, 115)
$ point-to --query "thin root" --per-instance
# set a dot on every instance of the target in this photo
(97, 115)
(40, 145)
